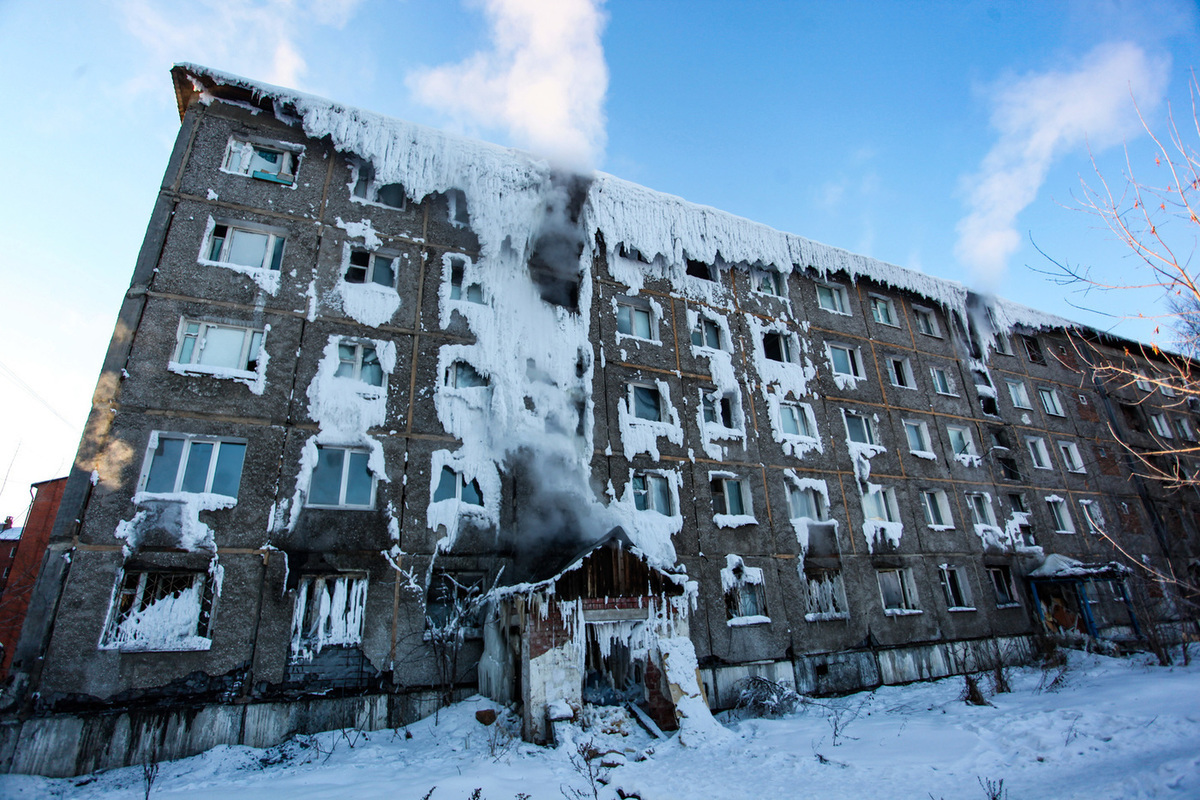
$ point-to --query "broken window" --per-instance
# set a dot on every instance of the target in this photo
(460, 288)
(1002, 585)
(717, 408)
(956, 588)
(195, 464)
(1061, 516)
(1001, 344)
(900, 372)
(1070, 457)
(647, 402)
(462, 375)
(652, 492)
(1133, 419)
(1033, 350)
(882, 310)
(936, 508)
(218, 347)
(262, 161)
(918, 436)
(794, 418)
(456, 199)
(1093, 516)
(926, 321)
(1050, 403)
(897, 591)
(329, 612)
(452, 602)
(832, 297)
(825, 593)
(359, 361)
(1038, 453)
(727, 496)
(744, 595)
(453, 485)
(341, 478)
(941, 381)
(160, 610)
(845, 360)
(778, 347)
(1008, 469)
(244, 247)
(698, 269)
(367, 267)
(707, 333)
(980, 506)
(368, 190)
(767, 281)
(859, 428)
(635, 320)
(961, 442)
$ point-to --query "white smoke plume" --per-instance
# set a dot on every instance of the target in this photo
(1038, 117)
(544, 79)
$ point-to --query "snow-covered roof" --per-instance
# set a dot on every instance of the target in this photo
(10, 534)
(495, 178)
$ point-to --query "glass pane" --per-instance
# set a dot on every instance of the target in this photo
(733, 496)
(641, 323)
(195, 472)
(188, 347)
(252, 354)
(698, 337)
(164, 465)
(372, 372)
(247, 249)
(662, 494)
(446, 484)
(750, 607)
(475, 293)
(347, 356)
(471, 493)
(277, 257)
(218, 242)
(841, 360)
(228, 474)
(914, 437)
(889, 585)
(384, 275)
(624, 325)
(712, 335)
(222, 347)
(645, 403)
(325, 488)
(639, 492)
(791, 420)
(358, 481)
(856, 427)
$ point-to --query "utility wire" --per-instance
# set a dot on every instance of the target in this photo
(17, 379)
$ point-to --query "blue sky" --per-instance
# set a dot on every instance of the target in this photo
(941, 136)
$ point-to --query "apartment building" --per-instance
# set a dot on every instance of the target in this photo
(368, 373)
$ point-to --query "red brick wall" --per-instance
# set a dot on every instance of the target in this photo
(14, 600)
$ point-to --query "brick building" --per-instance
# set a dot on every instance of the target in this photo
(366, 371)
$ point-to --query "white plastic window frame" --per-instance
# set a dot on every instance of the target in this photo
(726, 482)
(704, 329)
(968, 441)
(922, 430)
(838, 298)
(1039, 454)
(805, 496)
(356, 364)
(927, 324)
(980, 507)
(189, 439)
(853, 359)
(242, 149)
(633, 405)
(883, 310)
(886, 503)
(249, 353)
(272, 253)
(345, 479)
(870, 433)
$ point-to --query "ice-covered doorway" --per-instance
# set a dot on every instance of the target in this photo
(612, 675)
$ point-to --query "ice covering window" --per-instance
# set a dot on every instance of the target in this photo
(803, 503)
(461, 375)
(329, 612)
(634, 320)
(245, 247)
(718, 409)
(194, 464)
(160, 611)
(367, 267)
(341, 478)
(453, 486)
(744, 595)
(359, 361)
(826, 593)
(261, 161)
(778, 347)
(459, 217)
(767, 281)
(879, 504)
(897, 591)
(652, 492)
(218, 347)
(460, 288)
(795, 419)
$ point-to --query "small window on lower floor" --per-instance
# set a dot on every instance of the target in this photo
(897, 591)
(452, 604)
(825, 594)
(160, 610)
(1002, 585)
(328, 613)
(956, 588)
(1061, 516)
(744, 597)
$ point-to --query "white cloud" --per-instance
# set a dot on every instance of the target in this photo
(1038, 117)
(544, 79)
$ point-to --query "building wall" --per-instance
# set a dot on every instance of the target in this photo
(22, 572)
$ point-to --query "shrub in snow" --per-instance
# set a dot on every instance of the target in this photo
(759, 697)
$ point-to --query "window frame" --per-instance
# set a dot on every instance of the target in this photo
(879, 301)
(1061, 515)
(120, 611)
(935, 502)
(945, 386)
(360, 359)
(627, 310)
(634, 386)
(1004, 573)
(373, 259)
(968, 440)
(344, 480)
(181, 466)
(704, 329)
(1033, 349)
(725, 482)
(870, 433)
(457, 369)
(927, 324)
(1023, 402)
(647, 494)
(839, 298)
(853, 359)
(905, 587)
(904, 372)
(455, 275)
(813, 499)
(1039, 454)
(288, 169)
(1160, 424)
(776, 280)
(887, 503)
(249, 353)
(922, 429)
(273, 251)
(1072, 460)
(460, 485)
(956, 586)
(1051, 404)
(801, 412)
(787, 346)
(979, 505)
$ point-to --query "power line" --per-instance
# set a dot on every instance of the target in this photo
(17, 379)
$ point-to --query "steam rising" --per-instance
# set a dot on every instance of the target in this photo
(544, 79)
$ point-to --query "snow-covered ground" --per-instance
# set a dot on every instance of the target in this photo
(1110, 728)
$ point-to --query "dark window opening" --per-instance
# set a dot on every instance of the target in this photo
(1033, 350)
(698, 269)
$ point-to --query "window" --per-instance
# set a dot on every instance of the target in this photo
(1158, 421)
(698, 269)
(1185, 429)
(900, 372)
(460, 288)
(647, 402)
(918, 436)
(926, 321)
(1009, 469)
(367, 267)
(359, 361)
(795, 421)
(882, 311)
(1002, 585)
(341, 478)
(1050, 402)
(1033, 350)
(727, 496)
(897, 591)
(159, 610)
(1132, 418)
(366, 188)
(1093, 517)
(1142, 382)
(1060, 515)
(1167, 390)
(718, 409)
(244, 247)
(845, 360)
(803, 503)
(707, 333)
(956, 589)
(1001, 344)
(937, 508)
(456, 200)
(778, 346)
(745, 599)
(961, 442)
(1070, 457)
(1038, 453)
(329, 612)
(462, 375)
(652, 492)
(859, 429)
(261, 161)
(452, 604)
(832, 297)
(767, 281)
(1019, 394)
(217, 347)
(980, 506)
(941, 381)
(879, 504)
(635, 320)
(826, 594)
(194, 464)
